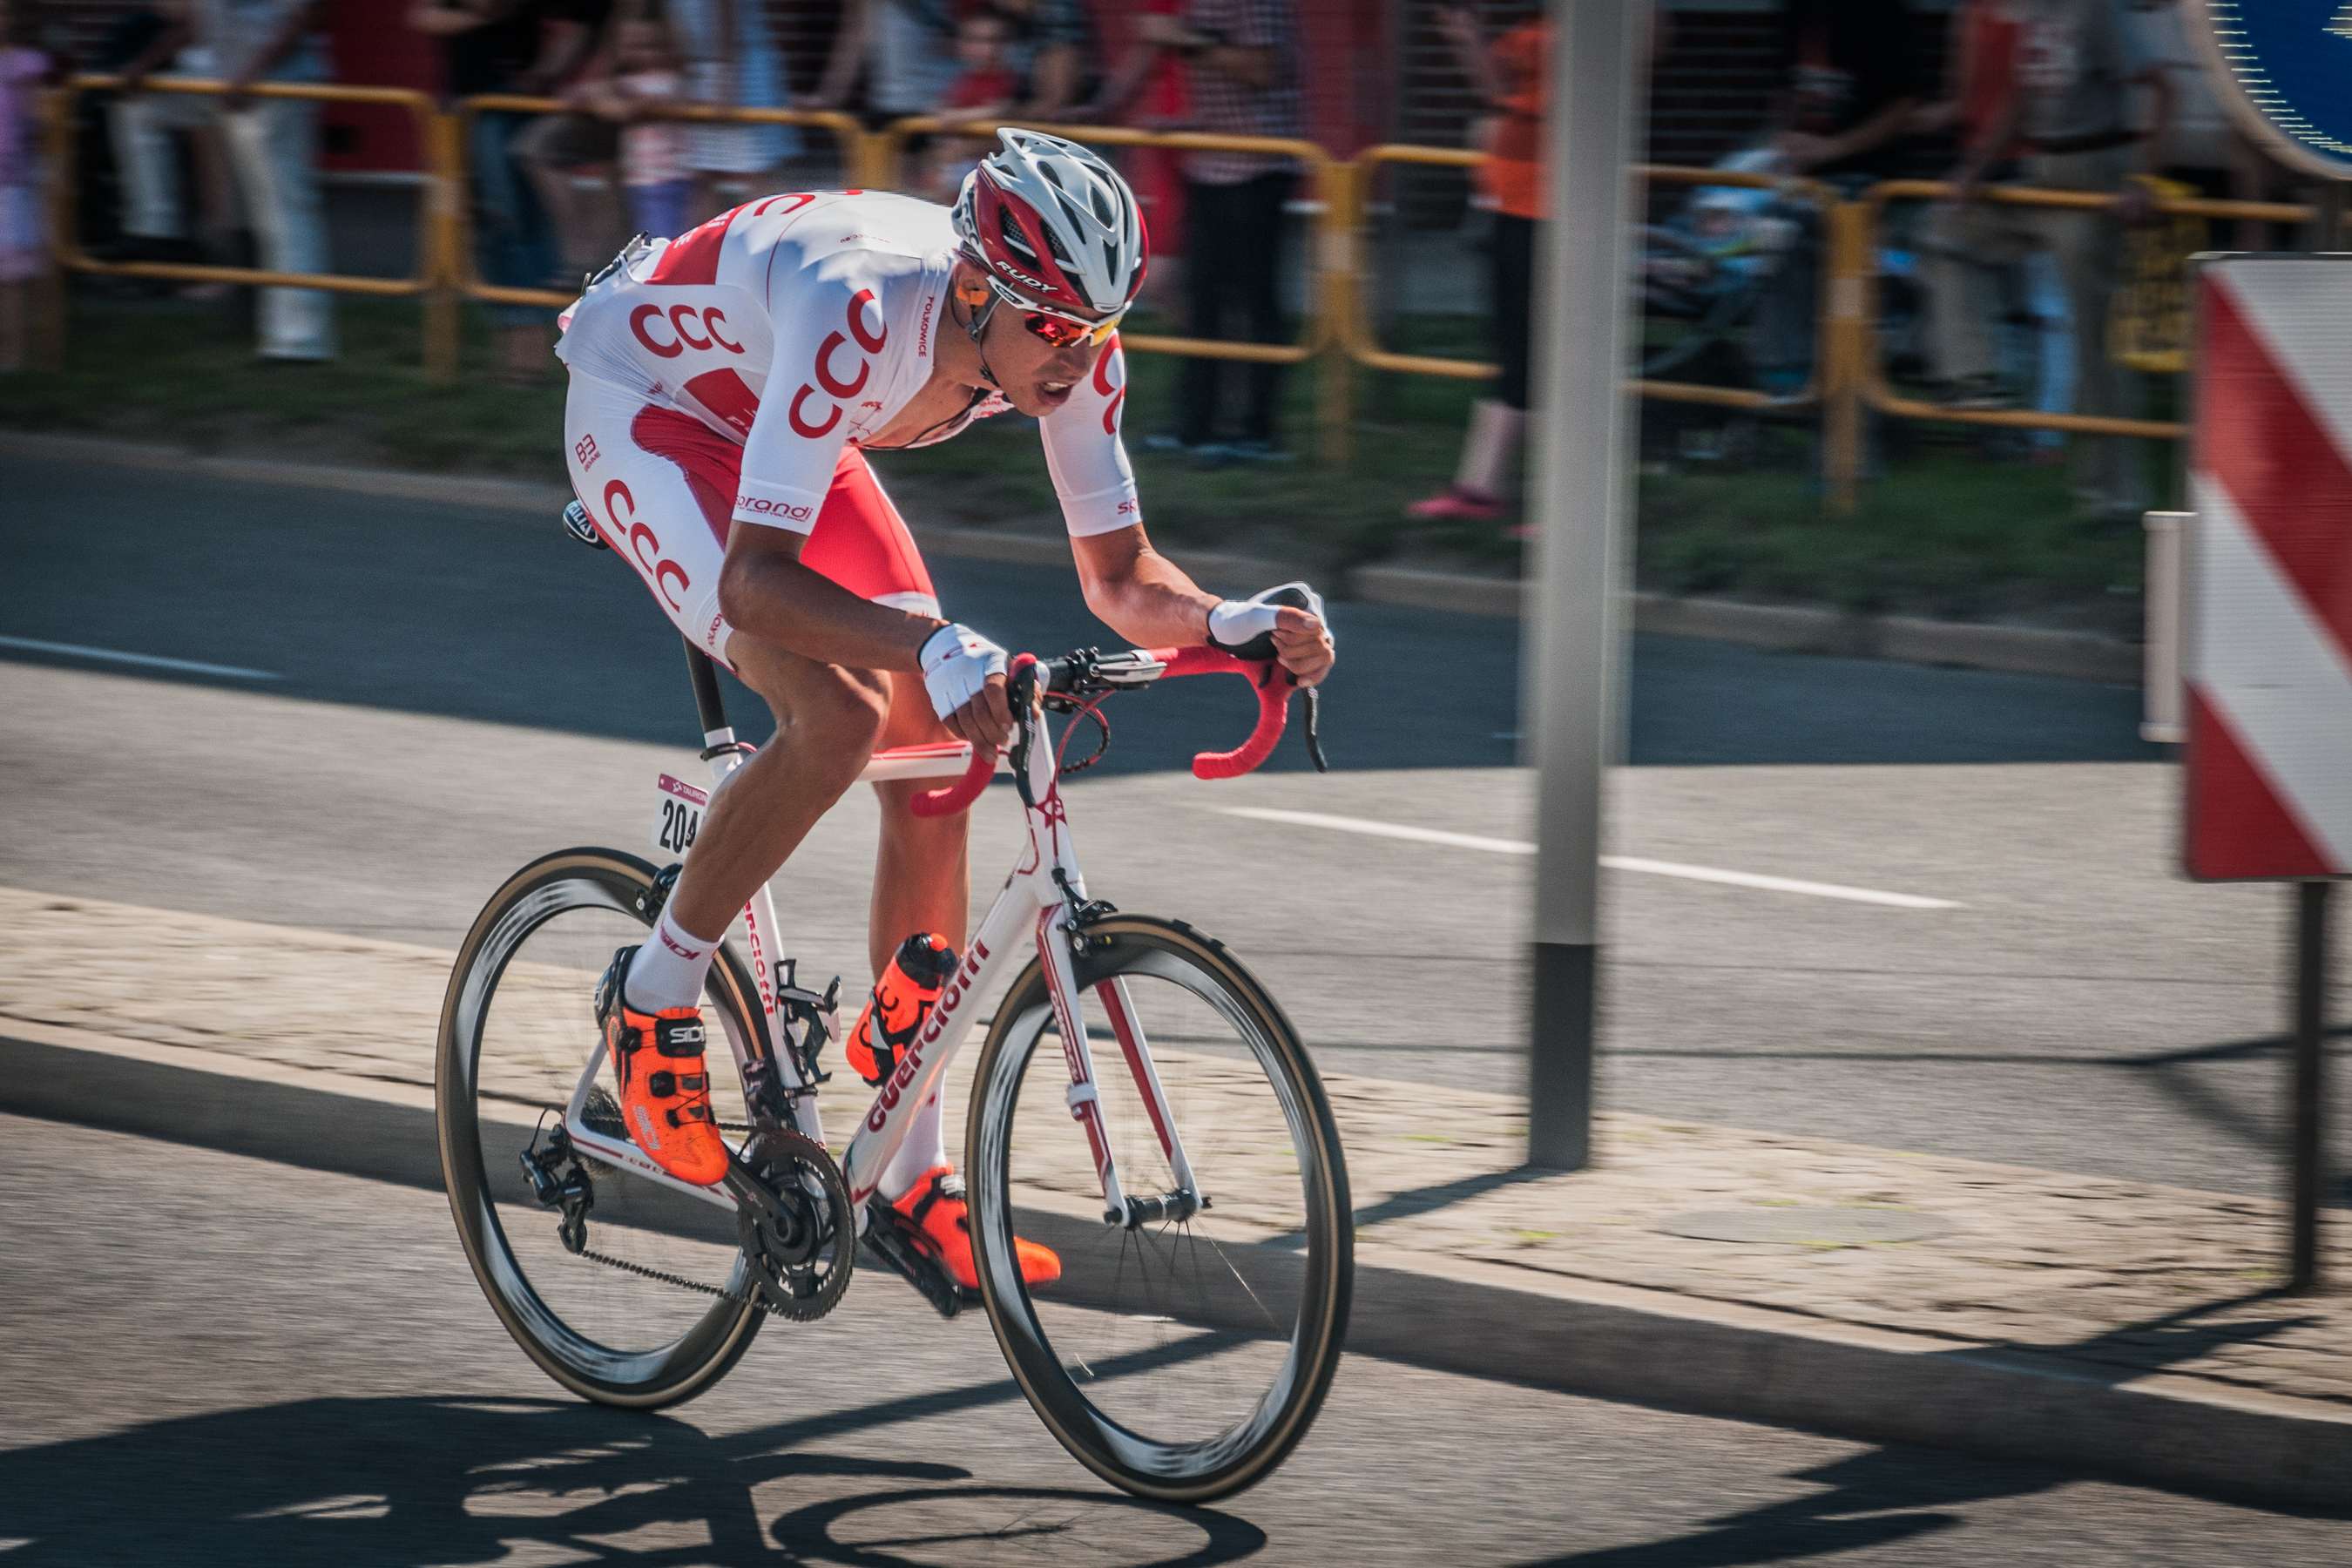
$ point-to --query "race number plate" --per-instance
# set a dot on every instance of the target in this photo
(677, 814)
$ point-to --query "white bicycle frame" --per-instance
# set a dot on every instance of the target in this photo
(1036, 903)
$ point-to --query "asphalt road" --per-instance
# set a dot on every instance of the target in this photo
(298, 1369)
(452, 694)
(421, 609)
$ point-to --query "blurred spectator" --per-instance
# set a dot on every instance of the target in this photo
(985, 84)
(142, 133)
(563, 154)
(491, 46)
(2065, 116)
(2199, 144)
(984, 91)
(1510, 79)
(1244, 58)
(732, 60)
(23, 255)
(646, 79)
(1052, 55)
(1980, 82)
(907, 50)
(1148, 87)
(1847, 97)
(273, 143)
(1148, 84)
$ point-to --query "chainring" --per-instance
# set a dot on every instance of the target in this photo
(802, 1242)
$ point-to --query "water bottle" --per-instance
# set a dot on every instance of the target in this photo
(902, 998)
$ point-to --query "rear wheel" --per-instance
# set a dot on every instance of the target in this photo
(517, 1030)
(1180, 1359)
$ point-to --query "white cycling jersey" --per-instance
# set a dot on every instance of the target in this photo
(802, 323)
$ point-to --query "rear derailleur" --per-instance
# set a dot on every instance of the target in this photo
(560, 1181)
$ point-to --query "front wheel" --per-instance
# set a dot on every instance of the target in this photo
(1180, 1359)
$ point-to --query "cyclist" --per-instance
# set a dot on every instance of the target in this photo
(726, 386)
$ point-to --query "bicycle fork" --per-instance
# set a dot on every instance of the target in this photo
(1064, 912)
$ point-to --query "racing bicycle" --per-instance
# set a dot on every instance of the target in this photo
(1139, 1103)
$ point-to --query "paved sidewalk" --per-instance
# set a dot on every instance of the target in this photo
(2120, 1282)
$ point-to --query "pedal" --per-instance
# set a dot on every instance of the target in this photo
(889, 1241)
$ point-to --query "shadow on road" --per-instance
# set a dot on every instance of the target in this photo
(1895, 1493)
(418, 1481)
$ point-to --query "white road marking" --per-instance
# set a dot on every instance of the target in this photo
(155, 661)
(1614, 862)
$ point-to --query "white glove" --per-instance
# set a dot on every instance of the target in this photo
(957, 662)
(1245, 627)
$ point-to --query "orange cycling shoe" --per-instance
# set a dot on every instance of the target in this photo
(935, 1207)
(665, 1089)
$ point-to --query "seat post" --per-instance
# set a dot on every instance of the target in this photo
(707, 703)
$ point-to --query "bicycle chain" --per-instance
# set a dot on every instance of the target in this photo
(646, 1271)
(754, 1297)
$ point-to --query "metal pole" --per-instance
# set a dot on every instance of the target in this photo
(1845, 348)
(446, 243)
(2310, 1175)
(1574, 650)
(1334, 238)
(50, 300)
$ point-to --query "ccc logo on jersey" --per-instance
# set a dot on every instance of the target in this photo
(841, 375)
(644, 545)
(682, 327)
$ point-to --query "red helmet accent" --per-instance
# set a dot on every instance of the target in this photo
(1036, 275)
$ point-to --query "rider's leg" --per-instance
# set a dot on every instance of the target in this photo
(828, 722)
(923, 881)
(922, 877)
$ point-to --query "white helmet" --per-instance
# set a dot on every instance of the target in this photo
(1054, 223)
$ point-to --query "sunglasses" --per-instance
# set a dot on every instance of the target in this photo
(1057, 328)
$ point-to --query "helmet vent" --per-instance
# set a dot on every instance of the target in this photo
(1014, 236)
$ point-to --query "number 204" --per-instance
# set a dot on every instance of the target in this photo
(680, 824)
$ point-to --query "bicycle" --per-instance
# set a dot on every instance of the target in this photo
(1209, 1178)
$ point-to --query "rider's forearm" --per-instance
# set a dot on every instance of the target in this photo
(1151, 602)
(775, 599)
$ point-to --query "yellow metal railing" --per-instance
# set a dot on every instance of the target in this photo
(1850, 381)
(430, 260)
(1362, 342)
(1850, 345)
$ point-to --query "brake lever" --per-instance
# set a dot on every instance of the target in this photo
(1314, 736)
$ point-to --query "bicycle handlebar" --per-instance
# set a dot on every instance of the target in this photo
(1273, 690)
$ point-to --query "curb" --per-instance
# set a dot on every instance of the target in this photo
(1788, 628)
(1483, 1320)
(2018, 650)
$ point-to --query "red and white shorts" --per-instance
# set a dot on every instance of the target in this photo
(661, 487)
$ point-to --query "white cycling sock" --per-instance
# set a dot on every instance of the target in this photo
(669, 968)
(1487, 446)
(924, 1147)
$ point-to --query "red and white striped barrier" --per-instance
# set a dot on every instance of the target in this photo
(2267, 655)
